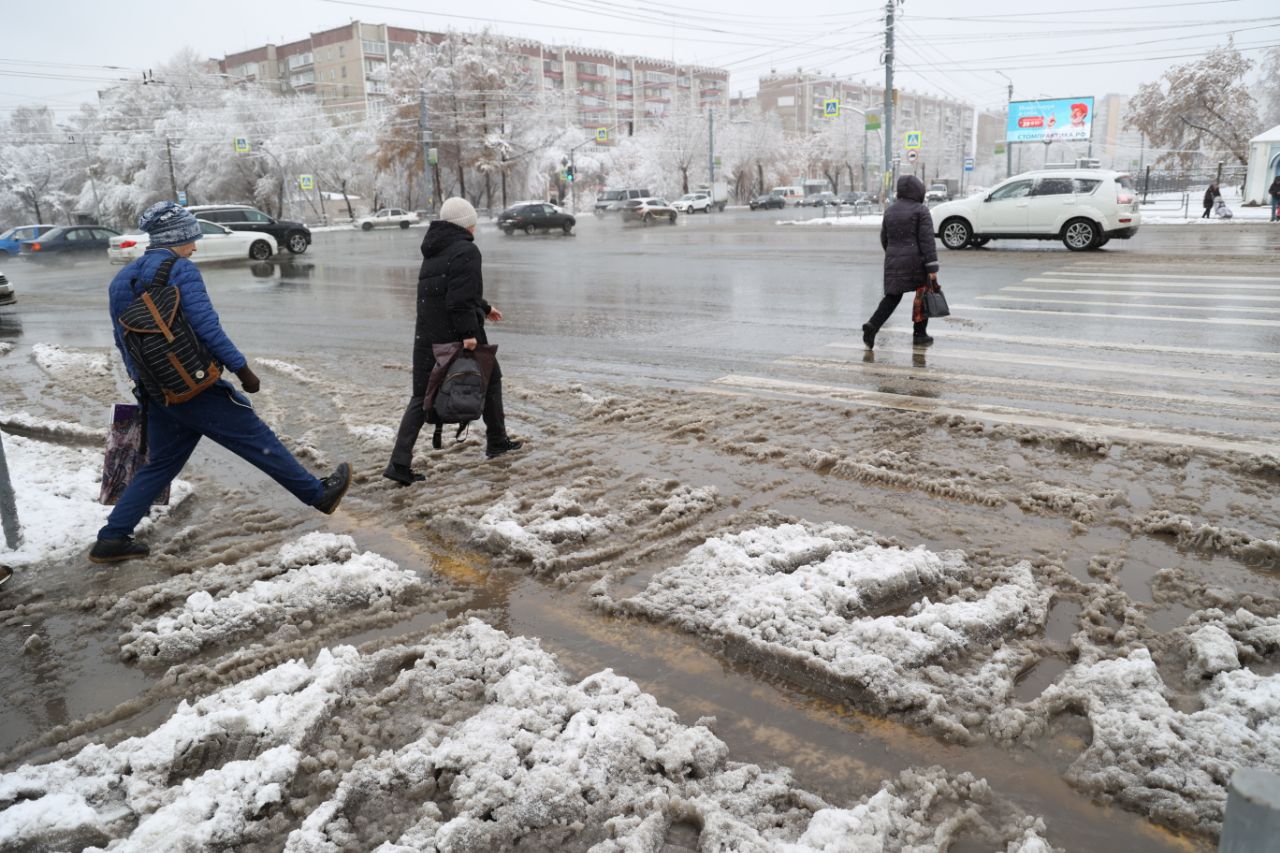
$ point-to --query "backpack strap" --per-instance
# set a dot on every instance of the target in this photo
(161, 276)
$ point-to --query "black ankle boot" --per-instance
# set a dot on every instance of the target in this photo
(403, 474)
(506, 445)
(117, 550)
(335, 486)
(869, 336)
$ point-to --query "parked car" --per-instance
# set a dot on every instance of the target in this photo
(937, 192)
(692, 203)
(791, 194)
(294, 236)
(11, 240)
(6, 291)
(821, 199)
(536, 216)
(646, 210)
(392, 217)
(853, 198)
(1084, 208)
(218, 243)
(68, 241)
(767, 201)
(611, 200)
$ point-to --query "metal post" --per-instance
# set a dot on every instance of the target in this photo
(1252, 820)
(425, 136)
(173, 181)
(573, 185)
(8, 506)
(711, 152)
(1146, 185)
(888, 94)
(324, 214)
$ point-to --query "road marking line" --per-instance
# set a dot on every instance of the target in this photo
(1097, 367)
(933, 374)
(1075, 343)
(1215, 321)
(1236, 296)
(998, 414)
(1151, 284)
(1149, 275)
(1096, 302)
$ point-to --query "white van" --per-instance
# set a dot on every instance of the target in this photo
(790, 194)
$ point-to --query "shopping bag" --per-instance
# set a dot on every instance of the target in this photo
(126, 451)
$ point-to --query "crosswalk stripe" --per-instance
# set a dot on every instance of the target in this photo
(1099, 303)
(1077, 343)
(1152, 285)
(998, 414)
(1153, 274)
(934, 374)
(1213, 296)
(1215, 321)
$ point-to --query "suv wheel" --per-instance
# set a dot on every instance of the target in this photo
(1080, 234)
(956, 234)
(296, 242)
(260, 250)
(529, 229)
(567, 227)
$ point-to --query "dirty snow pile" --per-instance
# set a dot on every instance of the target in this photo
(62, 363)
(472, 741)
(1172, 765)
(56, 491)
(316, 577)
(805, 597)
(547, 532)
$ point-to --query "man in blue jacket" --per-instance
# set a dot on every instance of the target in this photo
(221, 413)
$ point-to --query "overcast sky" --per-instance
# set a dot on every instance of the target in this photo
(1047, 48)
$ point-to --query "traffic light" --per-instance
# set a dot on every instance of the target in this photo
(568, 174)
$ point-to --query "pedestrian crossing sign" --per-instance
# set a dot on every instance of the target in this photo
(912, 140)
(306, 182)
(831, 108)
(602, 134)
(241, 144)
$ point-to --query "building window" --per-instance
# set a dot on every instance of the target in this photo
(374, 48)
(344, 72)
(342, 51)
(552, 65)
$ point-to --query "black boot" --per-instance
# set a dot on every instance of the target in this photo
(869, 335)
(117, 550)
(335, 486)
(497, 448)
(920, 334)
(403, 474)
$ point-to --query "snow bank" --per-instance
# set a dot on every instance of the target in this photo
(472, 741)
(319, 576)
(51, 429)
(56, 490)
(868, 221)
(62, 363)
(805, 597)
(1210, 538)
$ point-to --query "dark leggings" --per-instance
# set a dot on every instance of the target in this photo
(885, 309)
(1206, 212)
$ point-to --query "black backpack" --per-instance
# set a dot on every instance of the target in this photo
(460, 398)
(173, 363)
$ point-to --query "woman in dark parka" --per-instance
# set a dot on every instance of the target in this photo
(451, 309)
(910, 258)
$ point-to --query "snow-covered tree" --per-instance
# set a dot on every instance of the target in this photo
(1269, 88)
(681, 142)
(36, 166)
(1201, 107)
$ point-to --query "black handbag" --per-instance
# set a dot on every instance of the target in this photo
(935, 303)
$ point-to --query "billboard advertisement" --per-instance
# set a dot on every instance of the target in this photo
(1050, 120)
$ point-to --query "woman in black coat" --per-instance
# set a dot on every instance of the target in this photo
(451, 309)
(1210, 195)
(910, 259)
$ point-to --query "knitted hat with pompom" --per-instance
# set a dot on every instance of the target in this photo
(169, 225)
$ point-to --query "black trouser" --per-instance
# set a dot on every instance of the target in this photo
(411, 423)
(885, 309)
(1207, 208)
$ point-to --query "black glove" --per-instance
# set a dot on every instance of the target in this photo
(248, 380)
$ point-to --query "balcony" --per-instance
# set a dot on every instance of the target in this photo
(656, 99)
(594, 78)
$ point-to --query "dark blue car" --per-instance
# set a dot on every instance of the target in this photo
(69, 241)
(11, 240)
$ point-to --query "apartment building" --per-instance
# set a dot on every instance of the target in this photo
(344, 68)
(946, 125)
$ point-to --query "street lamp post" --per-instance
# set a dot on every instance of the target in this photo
(1008, 146)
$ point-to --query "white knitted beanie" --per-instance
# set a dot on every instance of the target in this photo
(458, 211)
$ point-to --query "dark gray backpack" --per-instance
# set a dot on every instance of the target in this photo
(460, 399)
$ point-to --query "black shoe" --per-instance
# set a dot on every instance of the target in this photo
(868, 336)
(335, 486)
(921, 340)
(117, 550)
(501, 447)
(403, 474)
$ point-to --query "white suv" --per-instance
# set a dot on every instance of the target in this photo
(1084, 208)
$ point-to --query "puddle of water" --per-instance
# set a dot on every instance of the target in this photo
(1168, 617)
(1063, 622)
(1032, 681)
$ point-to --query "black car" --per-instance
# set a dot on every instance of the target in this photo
(69, 241)
(764, 202)
(294, 236)
(535, 217)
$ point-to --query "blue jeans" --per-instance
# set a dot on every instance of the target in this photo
(224, 415)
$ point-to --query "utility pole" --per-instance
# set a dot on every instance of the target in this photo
(888, 94)
(173, 181)
(91, 170)
(1008, 146)
(711, 152)
(426, 149)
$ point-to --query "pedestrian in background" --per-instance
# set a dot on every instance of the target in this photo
(1275, 199)
(910, 260)
(219, 412)
(1210, 197)
(451, 309)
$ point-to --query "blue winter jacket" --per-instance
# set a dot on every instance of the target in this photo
(194, 300)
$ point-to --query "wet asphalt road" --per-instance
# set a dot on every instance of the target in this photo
(1172, 336)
